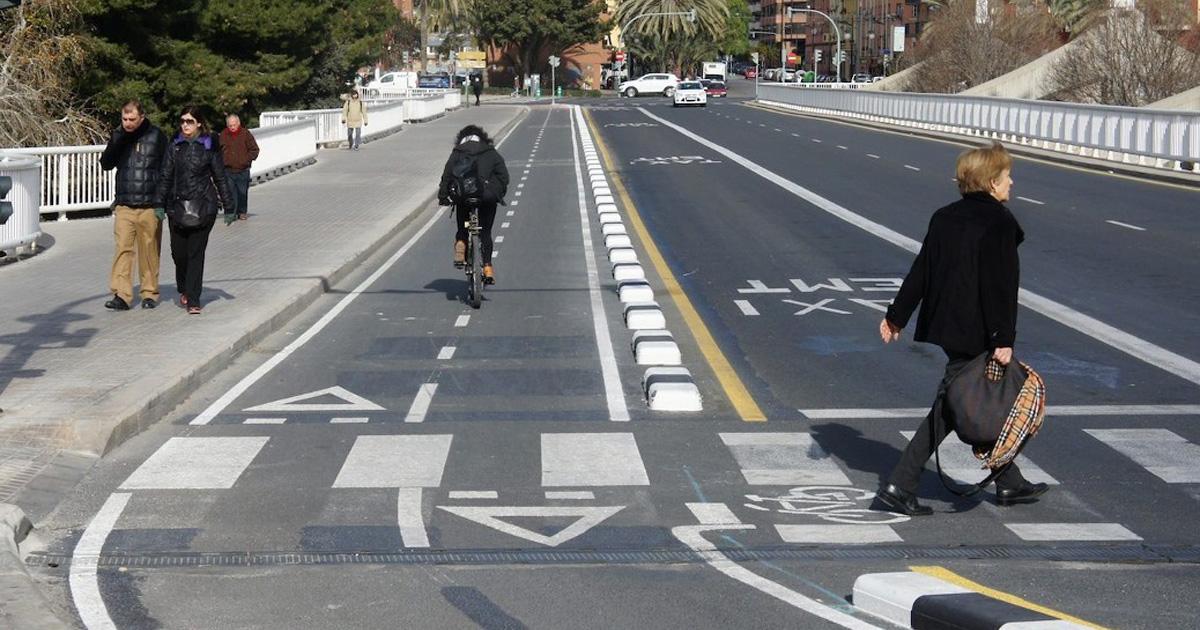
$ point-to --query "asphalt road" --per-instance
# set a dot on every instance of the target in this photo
(407, 460)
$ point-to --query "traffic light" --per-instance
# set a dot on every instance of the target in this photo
(6, 207)
(818, 53)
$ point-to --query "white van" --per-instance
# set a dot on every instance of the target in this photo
(392, 82)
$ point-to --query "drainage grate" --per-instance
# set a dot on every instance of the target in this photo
(1064, 553)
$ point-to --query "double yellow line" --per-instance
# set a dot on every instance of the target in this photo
(735, 390)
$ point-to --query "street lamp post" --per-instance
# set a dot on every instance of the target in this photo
(757, 62)
(690, 15)
(837, 31)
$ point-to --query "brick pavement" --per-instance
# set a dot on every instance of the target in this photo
(76, 380)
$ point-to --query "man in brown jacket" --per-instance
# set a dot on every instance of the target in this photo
(239, 149)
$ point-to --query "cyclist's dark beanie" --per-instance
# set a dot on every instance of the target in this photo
(472, 130)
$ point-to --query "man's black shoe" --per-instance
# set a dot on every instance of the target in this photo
(1024, 493)
(116, 304)
(149, 303)
(902, 501)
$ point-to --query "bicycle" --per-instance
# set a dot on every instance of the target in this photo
(828, 503)
(473, 263)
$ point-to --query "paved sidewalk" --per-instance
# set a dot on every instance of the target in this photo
(77, 380)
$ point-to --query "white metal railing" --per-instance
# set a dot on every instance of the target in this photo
(1159, 138)
(381, 119)
(283, 147)
(72, 178)
(23, 228)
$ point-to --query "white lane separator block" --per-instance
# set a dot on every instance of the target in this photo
(655, 347)
(609, 217)
(644, 316)
(606, 207)
(572, 460)
(604, 199)
(778, 459)
(622, 255)
(631, 291)
(196, 463)
(837, 534)
(395, 461)
(890, 596)
(626, 272)
(608, 229)
(1071, 531)
(671, 389)
(614, 241)
(601, 191)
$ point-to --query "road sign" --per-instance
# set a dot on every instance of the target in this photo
(619, 55)
(792, 57)
(553, 61)
(754, 56)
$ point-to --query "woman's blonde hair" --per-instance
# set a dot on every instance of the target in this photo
(979, 167)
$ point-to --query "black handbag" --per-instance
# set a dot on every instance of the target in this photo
(189, 213)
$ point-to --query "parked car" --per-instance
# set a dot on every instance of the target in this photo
(877, 79)
(750, 73)
(789, 76)
(770, 74)
(861, 77)
(433, 81)
(656, 83)
(716, 89)
(690, 93)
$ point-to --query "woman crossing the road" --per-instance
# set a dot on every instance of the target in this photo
(474, 160)
(965, 278)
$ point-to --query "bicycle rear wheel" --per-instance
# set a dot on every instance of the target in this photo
(475, 290)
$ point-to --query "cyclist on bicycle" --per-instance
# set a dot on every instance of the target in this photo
(474, 162)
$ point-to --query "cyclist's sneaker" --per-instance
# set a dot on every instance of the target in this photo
(489, 276)
(460, 253)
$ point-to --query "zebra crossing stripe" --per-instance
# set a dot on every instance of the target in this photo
(395, 461)
(713, 514)
(959, 463)
(410, 517)
(837, 534)
(1046, 532)
(196, 463)
(783, 459)
(591, 459)
(1160, 451)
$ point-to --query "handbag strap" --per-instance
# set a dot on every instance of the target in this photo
(973, 489)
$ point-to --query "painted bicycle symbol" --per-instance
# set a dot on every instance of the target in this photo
(839, 504)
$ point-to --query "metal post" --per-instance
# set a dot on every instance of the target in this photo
(837, 31)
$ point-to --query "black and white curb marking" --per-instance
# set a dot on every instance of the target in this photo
(924, 602)
(667, 387)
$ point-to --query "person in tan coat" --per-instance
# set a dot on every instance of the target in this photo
(354, 116)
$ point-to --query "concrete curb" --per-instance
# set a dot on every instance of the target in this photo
(22, 604)
(1129, 170)
(919, 601)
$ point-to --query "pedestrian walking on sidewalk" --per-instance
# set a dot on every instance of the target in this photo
(192, 185)
(239, 150)
(354, 116)
(136, 150)
(965, 278)
(476, 86)
(474, 156)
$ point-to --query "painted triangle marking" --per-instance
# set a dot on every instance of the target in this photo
(354, 402)
(589, 517)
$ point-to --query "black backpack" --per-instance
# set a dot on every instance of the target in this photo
(466, 186)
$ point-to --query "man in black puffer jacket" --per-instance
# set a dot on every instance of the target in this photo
(136, 150)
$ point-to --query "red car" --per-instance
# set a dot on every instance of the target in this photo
(715, 89)
(751, 73)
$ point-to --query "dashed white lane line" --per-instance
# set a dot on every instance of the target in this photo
(1132, 345)
(84, 585)
(817, 140)
(499, 239)
(462, 321)
(1126, 225)
(446, 353)
(571, 495)
(873, 156)
(746, 307)
(843, 147)
(264, 421)
(358, 420)
(420, 404)
(778, 130)
(474, 494)
(795, 135)
(521, 185)
(510, 213)
(514, 203)
(504, 225)
(911, 167)
(411, 518)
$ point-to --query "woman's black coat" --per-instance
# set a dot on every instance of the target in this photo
(489, 165)
(194, 169)
(965, 278)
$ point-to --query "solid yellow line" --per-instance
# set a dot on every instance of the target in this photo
(954, 578)
(737, 393)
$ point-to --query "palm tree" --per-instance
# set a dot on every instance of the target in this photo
(1076, 15)
(436, 14)
(672, 40)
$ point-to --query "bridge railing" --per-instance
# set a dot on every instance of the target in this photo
(382, 117)
(1157, 138)
(23, 228)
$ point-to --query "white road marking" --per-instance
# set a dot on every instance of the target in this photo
(589, 517)
(524, 177)
(1051, 410)
(746, 307)
(474, 494)
(395, 461)
(1126, 225)
(84, 585)
(496, 253)
(778, 130)
(693, 537)
(817, 140)
(783, 459)
(1160, 451)
(410, 517)
(504, 226)
(873, 156)
(843, 147)
(591, 459)
(499, 239)
(420, 404)
(264, 421)
(353, 402)
(446, 353)
(960, 464)
(350, 420)
(571, 495)
(838, 534)
(510, 213)
(713, 514)
(1134, 346)
(518, 193)
(196, 463)
(911, 167)
(1033, 201)
(520, 185)
(613, 393)
(795, 135)
(462, 321)
(514, 203)
(1071, 531)
(240, 388)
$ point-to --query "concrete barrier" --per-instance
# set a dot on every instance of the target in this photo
(656, 347)
(23, 228)
(628, 271)
(622, 255)
(635, 291)
(644, 316)
(609, 229)
(671, 389)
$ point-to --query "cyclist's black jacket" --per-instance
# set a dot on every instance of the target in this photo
(491, 169)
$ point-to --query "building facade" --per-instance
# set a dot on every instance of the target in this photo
(870, 38)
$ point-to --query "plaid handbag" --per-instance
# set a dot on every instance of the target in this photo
(1023, 422)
